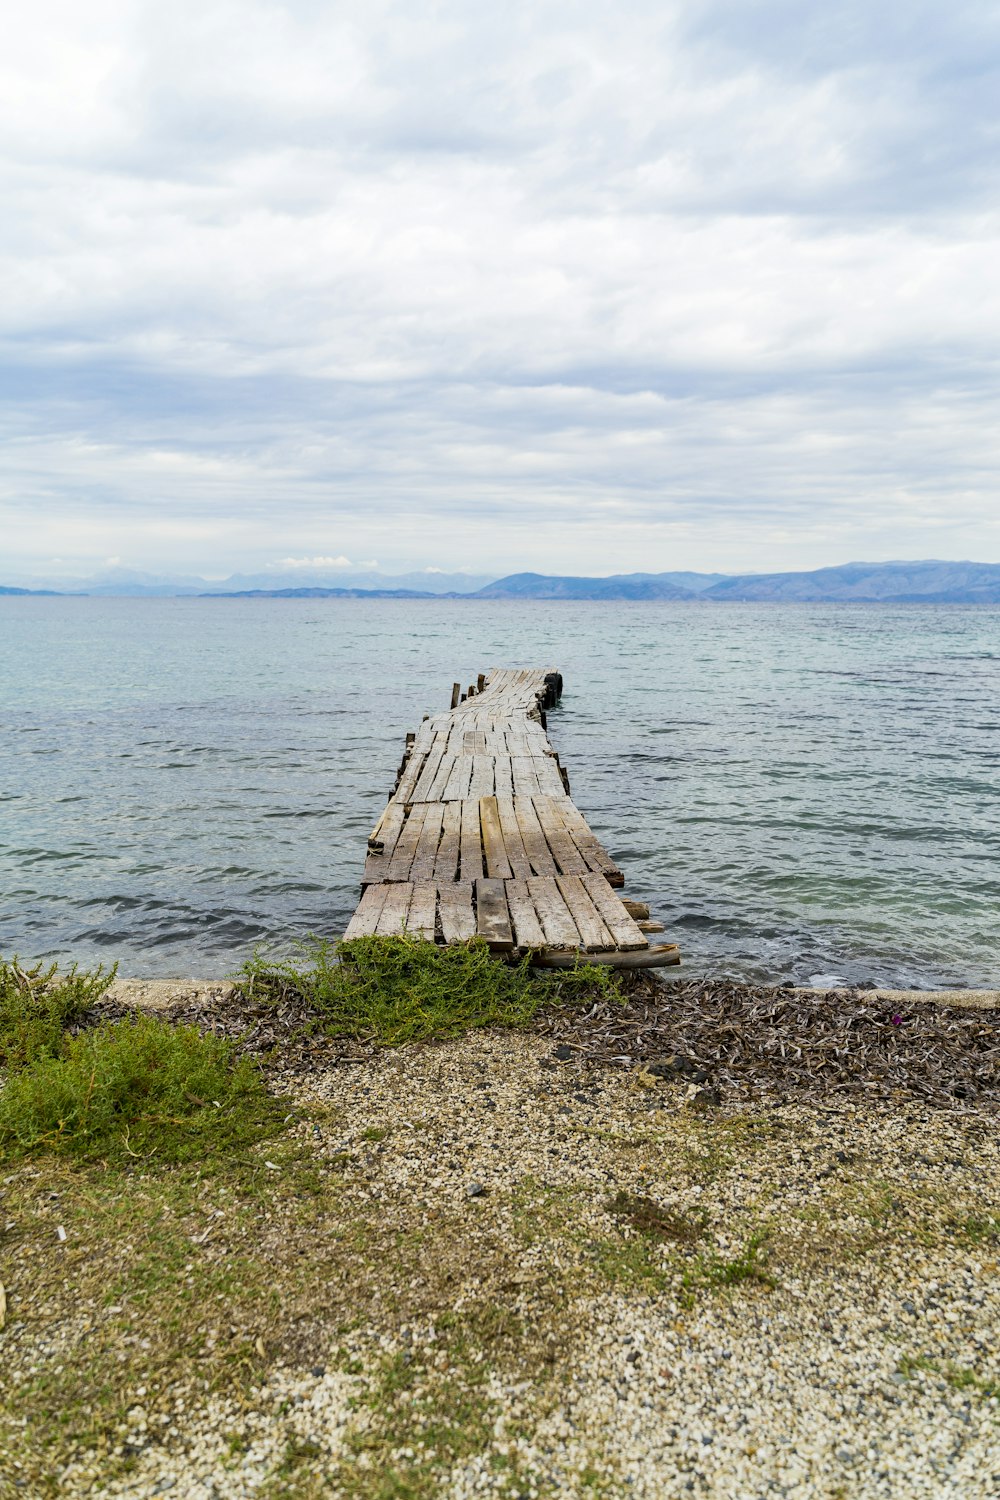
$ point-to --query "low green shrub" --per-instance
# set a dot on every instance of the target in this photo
(394, 990)
(38, 1004)
(137, 1089)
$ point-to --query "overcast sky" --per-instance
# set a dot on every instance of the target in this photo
(535, 285)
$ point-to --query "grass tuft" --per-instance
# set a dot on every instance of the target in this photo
(38, 1004)
(137, 1089)
(394, 990)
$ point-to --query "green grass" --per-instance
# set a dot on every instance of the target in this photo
(394, 990)
(37, 1004)
(959, 1377)
(137, 1089)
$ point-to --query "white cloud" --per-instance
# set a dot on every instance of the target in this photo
(699, 284)
(311, 562)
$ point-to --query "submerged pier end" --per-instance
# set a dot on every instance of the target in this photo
(481, 839)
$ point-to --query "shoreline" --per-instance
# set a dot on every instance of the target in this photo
(157, 994)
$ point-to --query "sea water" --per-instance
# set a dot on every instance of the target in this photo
(801, 792)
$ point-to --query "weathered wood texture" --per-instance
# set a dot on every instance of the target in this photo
(480, 838)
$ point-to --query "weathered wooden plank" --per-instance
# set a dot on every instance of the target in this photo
(636, 909)
(386, 832)
(617, 920)
(549, 779)
(497, 863)
(408, 780)
(424, 782)
(523, 916)
(492, 918)
(392, 917)
(502, 777)
(406, 844)
(590, 847)
(425, 855)
(557, 921)
(481, 783)
(446, 863)
(444, 770)
(520, 864)
(659, 957)
(533, 838)
(594, 934)
(564, 851)
(458, 782)
(458, 920)
(423, 905)
(369, 909)
(471, 857)
(524, 776)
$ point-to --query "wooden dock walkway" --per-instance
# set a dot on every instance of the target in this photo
(480, 838)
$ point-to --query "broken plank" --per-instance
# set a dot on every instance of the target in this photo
(446, 863)
(492, 917)
(387, 830)
(523, 916)
(408, 780)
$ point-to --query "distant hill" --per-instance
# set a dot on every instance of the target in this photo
(927, 582)
(619, 586)
(317, 593)
(870, 583)
(127, 583)
(862, 583)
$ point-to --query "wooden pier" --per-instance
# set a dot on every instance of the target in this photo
(481, 839)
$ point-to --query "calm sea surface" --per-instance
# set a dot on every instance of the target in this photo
(798, 791)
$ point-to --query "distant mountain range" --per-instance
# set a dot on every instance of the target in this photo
(129, 583)
(860, 583)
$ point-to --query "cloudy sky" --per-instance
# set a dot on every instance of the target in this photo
(538, 285)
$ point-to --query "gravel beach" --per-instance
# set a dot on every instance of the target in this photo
(515, 1265)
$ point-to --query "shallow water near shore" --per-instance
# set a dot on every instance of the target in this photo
(803, 792)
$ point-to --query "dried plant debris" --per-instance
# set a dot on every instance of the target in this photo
(748, 1041)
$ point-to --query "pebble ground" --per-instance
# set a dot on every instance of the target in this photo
(815, 1313)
